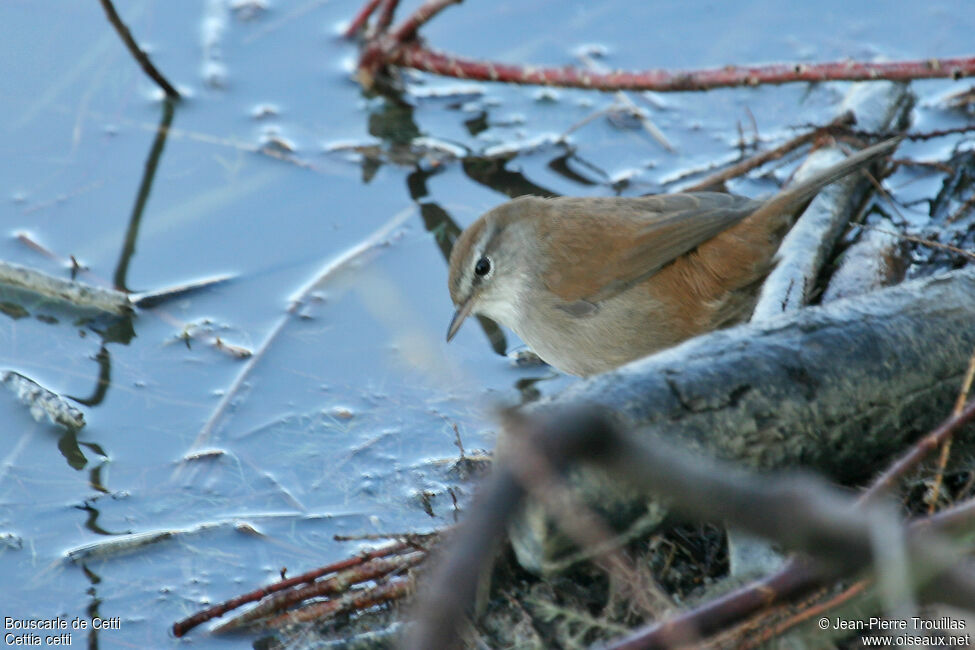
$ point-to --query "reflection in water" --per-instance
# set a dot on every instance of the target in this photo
(155, 153)
(493, 173)
(95, 476)
(91, 523)
(560, 165)
(104, 377)
(393, 122)
(92, 610)
(445, 232)
(477, 124)
(68, 446)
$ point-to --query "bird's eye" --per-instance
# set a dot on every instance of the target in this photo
(483, 267)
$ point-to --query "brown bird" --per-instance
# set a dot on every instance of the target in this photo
(592, 283)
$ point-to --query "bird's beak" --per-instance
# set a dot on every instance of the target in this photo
(459, 317)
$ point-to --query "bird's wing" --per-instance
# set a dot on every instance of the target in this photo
(626, 239)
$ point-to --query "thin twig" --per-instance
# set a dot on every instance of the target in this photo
(954, 521)
(400, 47)
(769, 633)
(141, 57)
(916, 453)
(758, 160)
(142, 196)
(920, 136)
(406, 31)
(925, 242)
(360, 20)
(385, 18)
(966, 387)
(960, 212)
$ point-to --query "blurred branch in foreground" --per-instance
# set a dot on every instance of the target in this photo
(801, 512)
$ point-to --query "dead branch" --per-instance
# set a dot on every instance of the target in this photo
(808, 244)
(274, 611)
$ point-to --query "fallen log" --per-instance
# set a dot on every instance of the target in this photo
(836, 389)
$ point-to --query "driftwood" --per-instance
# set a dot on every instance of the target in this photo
(835, 389)
(43, 402)
(881, 107)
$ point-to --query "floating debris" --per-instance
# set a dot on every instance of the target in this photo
(11, 541)
(76, 293)
(128, 543)
(358, 146)
(591, 51)
(118, 545)
(205, 331)
(248, 9)
(264, 111)
(963, 100)
(236, 351)
(546, 96)
(214, 25)
(509, 150)
(271, 140)
(204, 455)
(43, 402)
(340, 412)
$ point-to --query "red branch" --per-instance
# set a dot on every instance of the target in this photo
(406, 30)
(360, 20)
(385, 592)
(386, 13)
(339, 584)
(182, 627)
(400, 46)
(415, 56)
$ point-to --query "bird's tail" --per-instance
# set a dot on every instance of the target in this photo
(789, 199)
